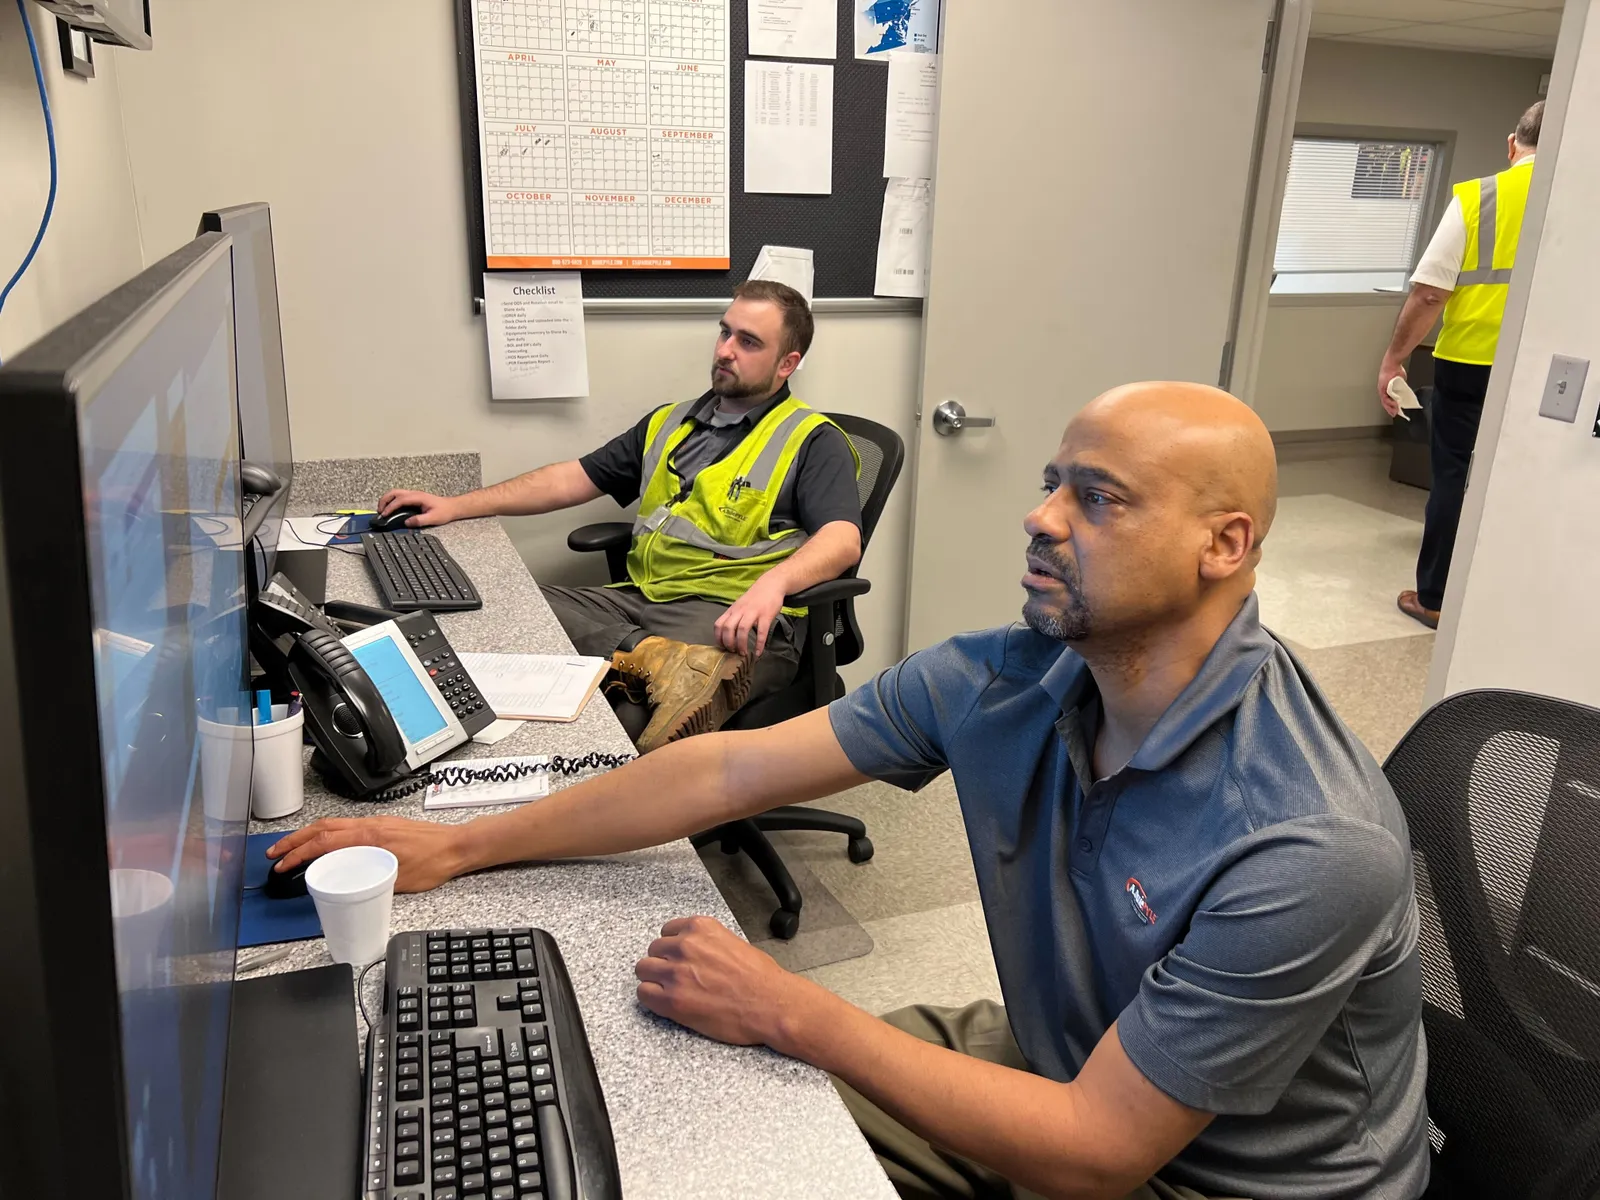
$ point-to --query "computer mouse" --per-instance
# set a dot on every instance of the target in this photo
(395, 520)
(285, 885)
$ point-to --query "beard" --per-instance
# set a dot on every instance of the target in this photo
(1069, 621)
(734, 388)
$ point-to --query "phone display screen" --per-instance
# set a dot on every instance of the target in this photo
(414, 708)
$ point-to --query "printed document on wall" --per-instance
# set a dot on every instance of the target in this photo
(903, 239)
(603, 129)
(537, 349)
(792, 265)
(794, 28)
(885, 26)
(909, 116)
(788, 127)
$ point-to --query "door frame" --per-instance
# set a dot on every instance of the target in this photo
(1280, 104)
(1562, 72)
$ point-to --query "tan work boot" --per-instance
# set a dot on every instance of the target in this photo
(694, 688)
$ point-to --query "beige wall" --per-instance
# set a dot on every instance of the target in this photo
(345, 118)
(93, 241)
(1319, 362)
(1519, 611)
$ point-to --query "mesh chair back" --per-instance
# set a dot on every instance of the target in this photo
(1502, 794)
(882, 455)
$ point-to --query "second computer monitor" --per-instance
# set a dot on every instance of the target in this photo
(263, 386)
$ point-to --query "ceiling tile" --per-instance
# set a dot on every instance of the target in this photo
(1326, 24)
(1545, 24)
(1460, 37)
(1416, 11)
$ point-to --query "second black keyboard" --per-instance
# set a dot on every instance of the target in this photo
(414, 571)
(480, 1082)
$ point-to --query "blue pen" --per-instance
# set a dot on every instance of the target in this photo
(263, 707)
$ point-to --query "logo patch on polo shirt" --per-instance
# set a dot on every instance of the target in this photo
(1140, 902)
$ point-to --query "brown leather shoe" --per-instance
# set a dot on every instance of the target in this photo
(694, 688)
(1411, 605)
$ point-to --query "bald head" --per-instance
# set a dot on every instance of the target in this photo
(1201, 438)
(1158, 501)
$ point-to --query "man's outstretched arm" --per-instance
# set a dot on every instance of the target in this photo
(681, 789)
(547, 489)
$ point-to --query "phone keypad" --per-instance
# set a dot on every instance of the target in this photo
(446, 671)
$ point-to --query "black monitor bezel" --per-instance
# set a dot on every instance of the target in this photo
(62, 1103)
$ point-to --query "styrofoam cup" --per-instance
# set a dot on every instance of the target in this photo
(278, 786)
(354, 892)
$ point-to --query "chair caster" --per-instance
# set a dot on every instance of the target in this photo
(860, 849)
(784, 924)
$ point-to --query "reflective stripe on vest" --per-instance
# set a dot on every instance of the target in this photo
(716, 541)
(1492, 210)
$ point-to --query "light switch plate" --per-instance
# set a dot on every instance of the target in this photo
(1564, 388)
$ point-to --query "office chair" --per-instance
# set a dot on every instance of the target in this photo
(833, 639)
(1502, 793)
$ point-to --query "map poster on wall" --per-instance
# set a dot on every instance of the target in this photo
(885, 27)
(603, 130)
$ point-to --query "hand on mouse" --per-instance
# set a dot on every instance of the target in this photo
(436, 510)
(429, 853)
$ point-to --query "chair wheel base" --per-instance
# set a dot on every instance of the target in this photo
(860, 849)
(784, 924)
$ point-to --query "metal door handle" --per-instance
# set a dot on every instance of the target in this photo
(950, 417)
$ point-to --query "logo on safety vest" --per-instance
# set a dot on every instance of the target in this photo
(1140, 902)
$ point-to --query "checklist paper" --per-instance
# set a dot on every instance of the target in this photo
(788, 127)
(535, 687)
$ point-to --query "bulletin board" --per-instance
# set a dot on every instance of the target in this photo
(841, 228)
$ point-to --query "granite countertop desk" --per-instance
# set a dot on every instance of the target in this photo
(691, 1117)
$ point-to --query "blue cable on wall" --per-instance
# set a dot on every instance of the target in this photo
(50, 137)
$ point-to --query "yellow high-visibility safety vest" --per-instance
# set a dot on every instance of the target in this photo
(1493, 209)
(717, 541)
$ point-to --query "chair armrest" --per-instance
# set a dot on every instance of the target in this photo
(831, 592)
(608, 535)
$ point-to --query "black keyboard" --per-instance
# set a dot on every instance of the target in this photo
(480, 1084)
(414, 570)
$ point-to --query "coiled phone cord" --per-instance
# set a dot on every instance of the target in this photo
(505, 772)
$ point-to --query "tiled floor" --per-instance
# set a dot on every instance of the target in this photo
(1342, 548)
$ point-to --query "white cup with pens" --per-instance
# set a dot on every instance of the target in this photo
(278, 784)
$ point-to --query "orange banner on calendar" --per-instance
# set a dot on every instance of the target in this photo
(591, 262)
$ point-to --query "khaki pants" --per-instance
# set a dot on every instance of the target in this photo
(918, 1170)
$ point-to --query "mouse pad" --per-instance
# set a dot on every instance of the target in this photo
(262, 921)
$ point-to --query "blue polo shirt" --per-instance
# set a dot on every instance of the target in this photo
(1238, 898)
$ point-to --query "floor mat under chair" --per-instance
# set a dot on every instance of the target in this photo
(828, 933)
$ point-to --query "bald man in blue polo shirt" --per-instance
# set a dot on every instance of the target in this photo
(1197, 882)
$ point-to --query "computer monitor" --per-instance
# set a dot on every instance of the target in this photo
(258, 341)
(125, 743)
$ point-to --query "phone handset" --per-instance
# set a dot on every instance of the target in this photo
(349, 720)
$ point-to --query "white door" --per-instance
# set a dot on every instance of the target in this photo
(1094, 165)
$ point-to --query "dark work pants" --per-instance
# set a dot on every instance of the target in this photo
(599, 620)
(1458, 390)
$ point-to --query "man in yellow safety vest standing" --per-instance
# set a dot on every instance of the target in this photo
(746, 496)
(1466, 270)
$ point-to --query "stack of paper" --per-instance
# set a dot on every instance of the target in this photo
(535, 687)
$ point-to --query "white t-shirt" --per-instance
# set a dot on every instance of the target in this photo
(1441, 261)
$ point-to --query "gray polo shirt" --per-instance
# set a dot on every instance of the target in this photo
(1238, 898)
